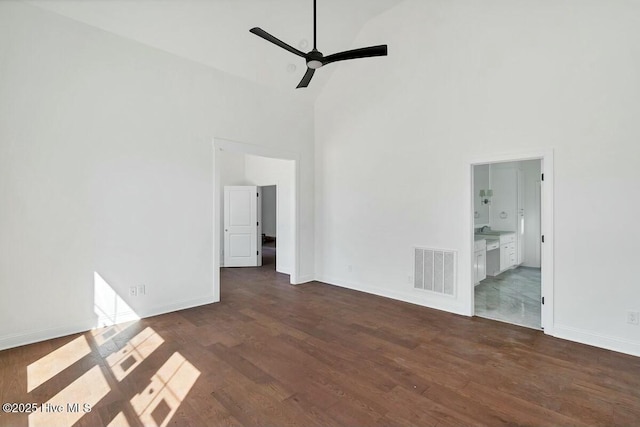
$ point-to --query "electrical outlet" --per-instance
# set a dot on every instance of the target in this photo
(133, 291)
(142, 290)
(633, 317)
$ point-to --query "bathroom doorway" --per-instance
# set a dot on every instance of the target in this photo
(509, 270)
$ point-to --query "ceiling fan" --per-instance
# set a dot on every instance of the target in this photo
(316, 59)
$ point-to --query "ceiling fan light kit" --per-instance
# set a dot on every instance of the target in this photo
(315, 59)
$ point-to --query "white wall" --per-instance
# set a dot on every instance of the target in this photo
(106, 166)
(263, 171)
(269, 210)
(466, 80)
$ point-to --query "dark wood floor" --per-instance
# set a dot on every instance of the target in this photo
(271, 354)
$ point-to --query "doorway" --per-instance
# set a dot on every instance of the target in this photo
(511, 234)
(244, 164)
(269, 221)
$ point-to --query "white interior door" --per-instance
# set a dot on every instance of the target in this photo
(241, 226)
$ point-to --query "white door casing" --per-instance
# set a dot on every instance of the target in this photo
(241, 226)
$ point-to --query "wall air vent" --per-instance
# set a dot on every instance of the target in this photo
(434, 270)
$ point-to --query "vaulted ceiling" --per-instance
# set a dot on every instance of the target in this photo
(216, 32)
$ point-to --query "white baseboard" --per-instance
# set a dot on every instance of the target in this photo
(37, 335)
(283, 270)
(597, 340)
(177, 306)
(304, 279)
(121, 317)
(418, 297)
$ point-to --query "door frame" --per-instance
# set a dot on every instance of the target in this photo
(221, 144)
(546, 227)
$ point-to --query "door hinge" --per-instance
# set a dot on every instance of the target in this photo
(257, 252)
(543, 238)
(542, 300)
(542, 177)
(257, 224)
(257, 194)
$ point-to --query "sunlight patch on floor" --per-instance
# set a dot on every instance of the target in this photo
(119, 421)
(154, 406)
(103, 334)
(86, 390)
(131, 355)
(168, 387)
(55, 362)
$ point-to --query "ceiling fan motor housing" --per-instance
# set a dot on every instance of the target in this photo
(314, 59)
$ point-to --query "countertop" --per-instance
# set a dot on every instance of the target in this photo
(494, 235)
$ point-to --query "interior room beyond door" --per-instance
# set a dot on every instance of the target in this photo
(507, 212)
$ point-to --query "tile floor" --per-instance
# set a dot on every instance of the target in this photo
(512, 297)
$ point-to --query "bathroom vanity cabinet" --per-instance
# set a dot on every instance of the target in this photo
(504, 256)
(480, 261)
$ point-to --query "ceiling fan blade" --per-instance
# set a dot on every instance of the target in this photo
(262, 33)
(363, 52)
(306, 78)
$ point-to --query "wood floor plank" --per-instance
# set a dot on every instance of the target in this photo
(295, 373)
(515, 408)
(416, 409)
(315, 415)
(318, 355)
